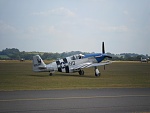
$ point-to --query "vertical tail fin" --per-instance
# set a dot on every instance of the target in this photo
(38, 64)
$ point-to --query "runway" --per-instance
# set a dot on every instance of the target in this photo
(110, 100)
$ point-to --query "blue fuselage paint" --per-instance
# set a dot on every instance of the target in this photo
(98, 56)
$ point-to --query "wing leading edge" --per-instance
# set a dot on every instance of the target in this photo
(90, 64)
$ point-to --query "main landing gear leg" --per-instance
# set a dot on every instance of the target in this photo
(97, 73)
(81, 72)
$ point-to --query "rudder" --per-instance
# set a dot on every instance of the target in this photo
(38, 64)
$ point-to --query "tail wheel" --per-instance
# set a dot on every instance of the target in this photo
(50, 74)
(81, 72)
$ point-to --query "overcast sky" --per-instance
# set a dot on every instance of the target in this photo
(70, 25)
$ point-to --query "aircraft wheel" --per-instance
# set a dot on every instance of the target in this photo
(81, 72)
(50, 74)
(97, 74)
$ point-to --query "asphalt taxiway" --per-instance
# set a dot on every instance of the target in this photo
(113, 100)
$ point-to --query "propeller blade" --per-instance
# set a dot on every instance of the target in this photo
(109, 57)
(103, 48)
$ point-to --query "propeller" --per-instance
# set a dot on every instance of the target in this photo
(103, 48)
(103, 51)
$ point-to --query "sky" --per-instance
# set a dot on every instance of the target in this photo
(75, 25)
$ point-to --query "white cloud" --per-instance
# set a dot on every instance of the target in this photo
(62, 11)
(58, 33)
(121, 28)
(103, 26)
(6, 28)
(53, 31)
(125, 12)
(58, 11)
(45, 32)
(32, 29)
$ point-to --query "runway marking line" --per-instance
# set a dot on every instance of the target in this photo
(65, 98)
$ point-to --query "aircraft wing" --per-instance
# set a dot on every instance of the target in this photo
(81, 66)
(90, 64)
(100, 64)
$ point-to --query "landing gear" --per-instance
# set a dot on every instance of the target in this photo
(50, 74)
(97, 73)
(81, 72)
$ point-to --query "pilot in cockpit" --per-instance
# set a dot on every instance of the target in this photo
(81, 56)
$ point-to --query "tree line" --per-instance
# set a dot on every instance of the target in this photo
(15, 54)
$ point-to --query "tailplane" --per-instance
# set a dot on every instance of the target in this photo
(38, 64)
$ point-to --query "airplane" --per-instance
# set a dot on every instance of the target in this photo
(71, 64)
(144, 60)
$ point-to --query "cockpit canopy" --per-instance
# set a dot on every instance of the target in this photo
(78, 56)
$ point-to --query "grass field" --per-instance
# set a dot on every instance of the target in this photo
(15, 75)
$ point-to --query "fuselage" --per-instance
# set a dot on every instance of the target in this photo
(67, 64)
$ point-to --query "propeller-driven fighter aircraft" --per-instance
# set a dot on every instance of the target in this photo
(71, 64)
